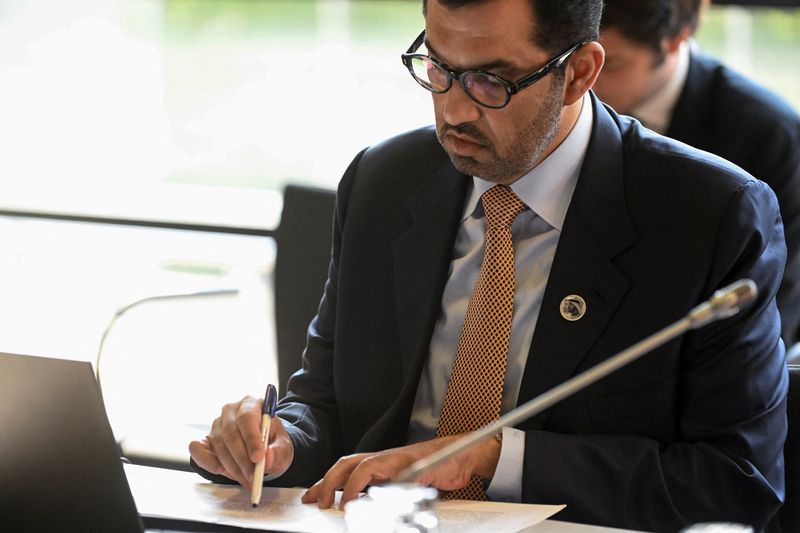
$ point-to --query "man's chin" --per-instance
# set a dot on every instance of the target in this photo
(472, 167)
(465, 164)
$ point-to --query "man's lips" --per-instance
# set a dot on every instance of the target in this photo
(463, 144)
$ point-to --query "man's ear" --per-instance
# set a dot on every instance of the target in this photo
(582, 71)
(672, 44)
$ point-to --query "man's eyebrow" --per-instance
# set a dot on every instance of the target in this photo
(497, 64)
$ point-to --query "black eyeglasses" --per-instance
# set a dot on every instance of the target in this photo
(484, 88)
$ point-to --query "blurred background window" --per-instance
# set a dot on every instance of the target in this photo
(199, 112)
(137, 107)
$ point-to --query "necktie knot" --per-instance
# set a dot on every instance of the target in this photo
(501, 206)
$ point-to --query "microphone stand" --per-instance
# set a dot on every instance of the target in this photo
(162, 297)
(724, 303)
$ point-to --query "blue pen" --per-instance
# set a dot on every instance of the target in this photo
(267, 414)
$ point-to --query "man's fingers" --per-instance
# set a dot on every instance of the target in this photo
(234, 445)
(374, 469)
(248, 421)
(324, 490)
(277, 457)
(353, 487)
(221, 445)
(239, 423)
(204, 457)
(269, 459)
(354, 473)
(333, 480)
(231, 469)
(310, 496)
(280, 452)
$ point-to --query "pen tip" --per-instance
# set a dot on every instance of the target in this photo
(255, 505)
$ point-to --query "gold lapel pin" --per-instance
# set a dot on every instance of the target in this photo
(573, 307)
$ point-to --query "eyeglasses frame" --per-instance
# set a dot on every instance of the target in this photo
(511, 87)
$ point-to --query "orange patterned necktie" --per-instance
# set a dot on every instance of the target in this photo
(475, 390)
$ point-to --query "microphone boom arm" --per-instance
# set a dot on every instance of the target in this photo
(724, 303)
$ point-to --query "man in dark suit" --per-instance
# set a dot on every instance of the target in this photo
(654, 71)
(621, 232)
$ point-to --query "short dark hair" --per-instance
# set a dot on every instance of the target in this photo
(559, 23)
(649, 22)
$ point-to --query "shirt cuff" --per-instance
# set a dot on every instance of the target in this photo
(506, 485)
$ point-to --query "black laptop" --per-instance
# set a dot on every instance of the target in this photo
(60, 467)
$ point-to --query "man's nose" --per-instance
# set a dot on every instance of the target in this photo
(458, 107)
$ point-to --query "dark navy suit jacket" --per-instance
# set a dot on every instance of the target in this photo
(724, 113)
(692, 432)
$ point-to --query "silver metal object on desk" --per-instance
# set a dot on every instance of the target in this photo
(395, 508)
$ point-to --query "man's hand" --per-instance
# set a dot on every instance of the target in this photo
(354, 472)
(234, 445)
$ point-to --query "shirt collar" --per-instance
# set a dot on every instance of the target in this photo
(547, 188)
(656, 111)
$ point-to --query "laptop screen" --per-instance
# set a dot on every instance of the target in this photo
(60, 468)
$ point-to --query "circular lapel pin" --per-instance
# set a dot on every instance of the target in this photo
(573, 307)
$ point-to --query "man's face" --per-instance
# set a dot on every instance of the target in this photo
(498, 145)
(631, 74)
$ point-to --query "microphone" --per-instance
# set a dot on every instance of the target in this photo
(724, 303)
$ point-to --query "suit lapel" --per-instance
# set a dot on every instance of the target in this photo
(595, 230)
(422, 256)
(421, 261)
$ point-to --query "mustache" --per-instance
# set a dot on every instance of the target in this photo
(467, 129)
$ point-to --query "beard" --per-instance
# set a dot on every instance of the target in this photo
(508, 163)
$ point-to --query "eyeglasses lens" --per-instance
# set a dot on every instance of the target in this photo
(430, 75)
(485, 88)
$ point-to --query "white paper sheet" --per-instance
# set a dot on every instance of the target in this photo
(178, 495)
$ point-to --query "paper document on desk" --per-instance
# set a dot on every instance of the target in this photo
(176, 495)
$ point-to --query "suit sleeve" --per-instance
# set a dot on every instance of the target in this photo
(778, 163)
(727, 463)
(309, 408)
